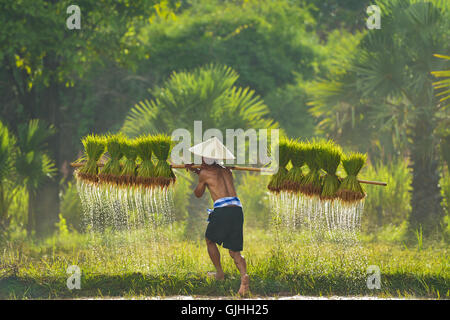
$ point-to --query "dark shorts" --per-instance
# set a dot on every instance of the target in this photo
(225, 227)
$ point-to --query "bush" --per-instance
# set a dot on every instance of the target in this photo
(182, 191)
(391, 204)
(266, 42)
(253, 193)
(445, 190)
(70, 207)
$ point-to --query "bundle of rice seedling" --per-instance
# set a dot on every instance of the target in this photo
(163, 170)
(94, 147)
(330, 159)
(277, 182)
(146, 170)
(295, 176)
(350, 189)
(312, 184)
(129, 150)
(110, 173)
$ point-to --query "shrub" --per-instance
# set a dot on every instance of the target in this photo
(253, 193)
(390, 204)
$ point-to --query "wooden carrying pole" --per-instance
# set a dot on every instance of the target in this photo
(196, 166)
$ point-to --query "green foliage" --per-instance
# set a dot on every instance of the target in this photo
(7, 144)
(181, 194)
(445, 189)
(445, 147)
(7, 158)
(33, 164)
(384, 87)
(206, 94)
(442, 84)
(391, 204)
(70, 207)
(253, 194)
(62, 226)
(289, 106)
(266, 42)
(338, 14)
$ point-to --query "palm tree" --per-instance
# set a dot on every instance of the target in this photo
(388, 88)
(207, 94)
(33, 165)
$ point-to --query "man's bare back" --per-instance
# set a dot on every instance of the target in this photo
(219, 181)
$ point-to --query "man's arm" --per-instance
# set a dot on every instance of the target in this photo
(201, 187)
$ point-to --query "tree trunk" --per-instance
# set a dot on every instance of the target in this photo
(426, 193)
(46, 204)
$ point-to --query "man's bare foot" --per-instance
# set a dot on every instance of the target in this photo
(216, 275)
(244, 290)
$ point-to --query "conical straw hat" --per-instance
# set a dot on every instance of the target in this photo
(212, 149)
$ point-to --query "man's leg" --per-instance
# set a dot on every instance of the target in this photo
(240, 263)
(214, 254)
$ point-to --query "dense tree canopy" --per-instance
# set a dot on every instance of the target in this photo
(309, 67)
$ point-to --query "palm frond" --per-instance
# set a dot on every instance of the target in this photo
(442, 84)
(7, 145)
(208, 94)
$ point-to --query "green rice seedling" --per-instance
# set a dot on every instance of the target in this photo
(330, 159)
(295, 176)
(312, 184)
(163, 170)
(277, 182)
(350, 189)
(146, 171)
(110, 173)
(129, 150)
(94, 148)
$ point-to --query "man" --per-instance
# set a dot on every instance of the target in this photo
(226, 220)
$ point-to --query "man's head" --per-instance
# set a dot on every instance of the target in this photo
(210, 161)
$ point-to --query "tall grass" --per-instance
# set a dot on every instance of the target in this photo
(113, 266)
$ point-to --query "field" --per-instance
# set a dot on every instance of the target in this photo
(279, 265)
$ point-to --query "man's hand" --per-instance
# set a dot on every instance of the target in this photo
(189, 168)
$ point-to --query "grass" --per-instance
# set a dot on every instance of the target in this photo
(289, 267)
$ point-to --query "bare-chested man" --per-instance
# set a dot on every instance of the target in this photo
(225, 221)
